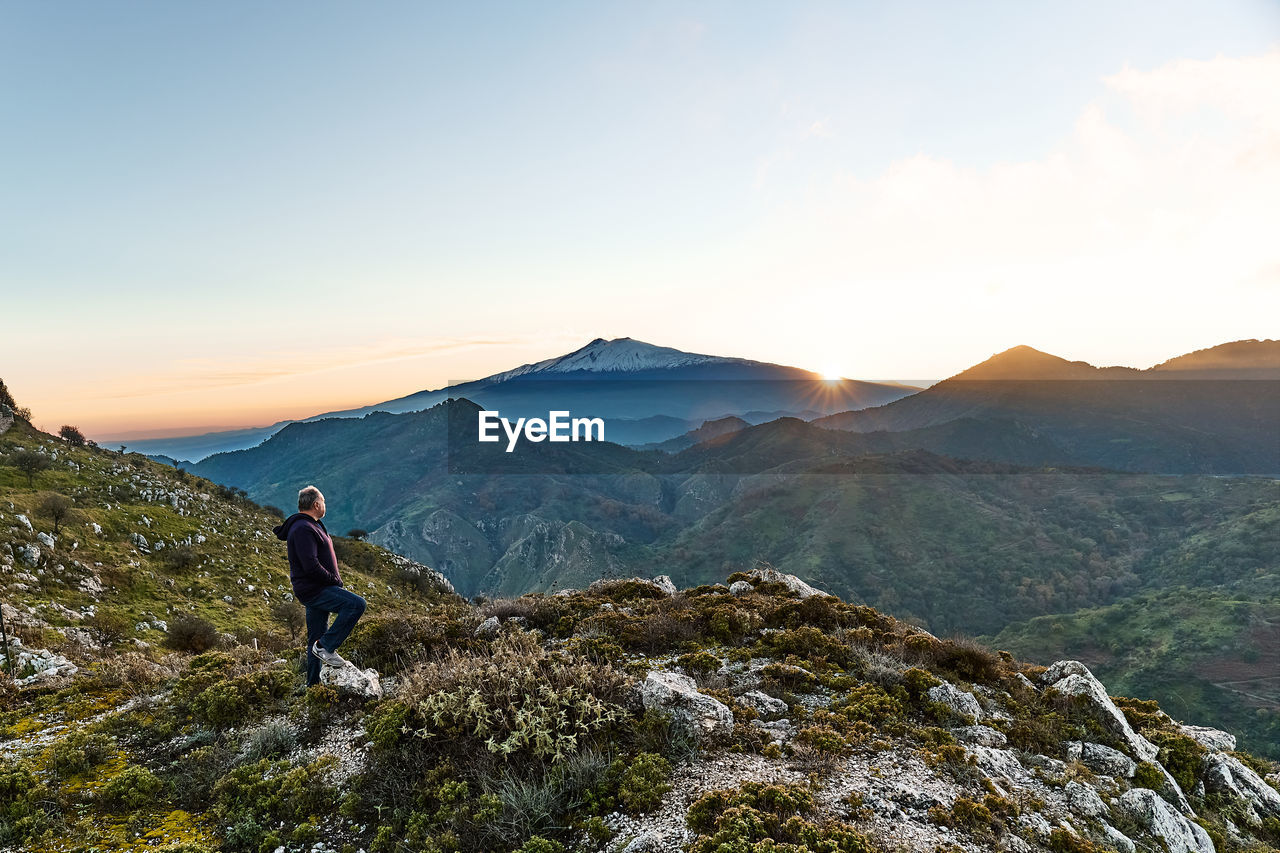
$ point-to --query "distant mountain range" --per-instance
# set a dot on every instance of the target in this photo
(1214, 411)
(645, 393)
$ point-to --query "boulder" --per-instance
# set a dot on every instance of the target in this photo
(661, 584)
(1211, 738)
(1072, 678)
(780, 731)
(1102, 759)
(664, 583)
(488, 627)
(960, 701)
(29, 554)
(45, 539)
(982, 735)
(1118, 839)
(1224, 774)
(1160, 819)
(42, 663)
(791, 582)
(138, 540)
(763, 704)
(677, 695)
(740, 588)
(349, 678)
(1085, 800)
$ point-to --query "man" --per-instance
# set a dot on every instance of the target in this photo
(313, 572)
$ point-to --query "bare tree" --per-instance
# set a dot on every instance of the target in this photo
(358, 534)
(57, 508)
(72, 435)
(290, 615)
(30, 463)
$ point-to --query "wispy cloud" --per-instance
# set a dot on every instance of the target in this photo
(203, 374)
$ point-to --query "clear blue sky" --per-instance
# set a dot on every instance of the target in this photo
(194, 196)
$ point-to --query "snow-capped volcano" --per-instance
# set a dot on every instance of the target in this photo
(620, 355)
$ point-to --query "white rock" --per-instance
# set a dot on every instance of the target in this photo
(1178, 833)
(138, 540)
(26, 522)
(960, 701)
(984, 735)
(791, 582)
(29, 554)
(351, 679)
(740, 588)
(1072, 678)
(763, 704)
(678, 696)
(45, 539)
(1118, 839)
(1224, 774)
(1085, 800)
(488, 627)
(1102, 759)
(1211, 738)
(661, 584)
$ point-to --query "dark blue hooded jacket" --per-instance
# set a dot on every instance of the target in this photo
(313, 565)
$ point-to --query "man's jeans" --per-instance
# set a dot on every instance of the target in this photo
(332, 599)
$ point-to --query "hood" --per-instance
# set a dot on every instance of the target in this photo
(282, 530)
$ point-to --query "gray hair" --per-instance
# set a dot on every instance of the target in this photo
(307, 497)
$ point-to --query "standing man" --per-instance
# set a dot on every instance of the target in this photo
(313, 572)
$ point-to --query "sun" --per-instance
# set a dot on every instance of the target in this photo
(830, 374)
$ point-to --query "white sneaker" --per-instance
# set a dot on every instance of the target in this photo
(330, 658)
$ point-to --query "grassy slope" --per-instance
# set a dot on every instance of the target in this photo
(126, 494)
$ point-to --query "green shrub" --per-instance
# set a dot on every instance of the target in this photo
(699, 663)
(761, 818)
(644, 783)
(134, 788)
(78, 752)
(519, 698)
(538, 844)
(241, 698)
(1149, 776)
(22, 797)
(270, 740)
(190, 633)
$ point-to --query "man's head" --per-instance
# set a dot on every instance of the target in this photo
(311, 502)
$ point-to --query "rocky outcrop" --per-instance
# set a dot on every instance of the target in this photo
(1072, 678)
(791, 582)
(1224, 774)
(662, 585)
(38, 664)
(1160, 819)
(704, 716)
(1211, 738)
(959, 701)
(1102, 759)
(349, 678)
(763, 704)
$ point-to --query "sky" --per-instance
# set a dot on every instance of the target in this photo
(228, 214)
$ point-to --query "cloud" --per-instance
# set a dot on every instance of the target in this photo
(205, 374)
(1181, 200)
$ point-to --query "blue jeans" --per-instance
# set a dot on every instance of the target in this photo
(348, 606)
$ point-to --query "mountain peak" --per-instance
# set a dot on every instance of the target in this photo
(619, 355)
(1024, 362)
